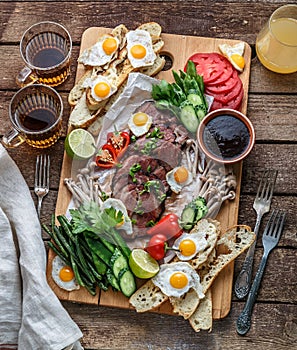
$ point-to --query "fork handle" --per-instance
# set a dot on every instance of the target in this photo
(243, 281)
(243, 323)
(39, 206)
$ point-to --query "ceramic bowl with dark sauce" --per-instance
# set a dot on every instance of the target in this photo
(226, 136)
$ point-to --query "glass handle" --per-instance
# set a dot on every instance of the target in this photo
(26, 77)
(12, 139)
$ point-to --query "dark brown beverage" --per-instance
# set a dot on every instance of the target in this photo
(48, 57)
(37, 120)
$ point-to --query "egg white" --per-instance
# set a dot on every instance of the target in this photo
(118, 205)
(57, 265)
(142, 37)
(229, 50)
(175, 186)
(95, 56)
(109, 79)
(197, 237)
(139, 130)
(162, 279)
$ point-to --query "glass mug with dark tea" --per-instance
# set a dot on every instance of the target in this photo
(35, 112)
(46, 50)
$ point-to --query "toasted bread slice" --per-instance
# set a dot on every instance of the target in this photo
(80, 116)
(235, 241)
(201, 319)
(147, 297)
(78, 89)
(153, 28)
(185, 305)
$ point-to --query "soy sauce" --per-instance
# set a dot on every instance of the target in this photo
(37, 120)
(226, 137)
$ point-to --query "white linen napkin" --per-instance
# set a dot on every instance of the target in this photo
(30, 313)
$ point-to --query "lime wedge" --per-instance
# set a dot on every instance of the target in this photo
(80, 144)
(142, 264)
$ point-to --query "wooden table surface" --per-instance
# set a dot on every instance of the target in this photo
(272, 108)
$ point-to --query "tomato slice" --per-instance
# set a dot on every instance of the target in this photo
(234, 103)
(224, 87)
(225, 76)
(210, 65)
(225, 97)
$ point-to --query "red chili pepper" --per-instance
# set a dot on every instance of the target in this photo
(119, 141)
(167, 226)
(106, 157)
(157, 246)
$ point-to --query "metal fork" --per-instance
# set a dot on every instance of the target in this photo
(270, 239)
(41, 186)
(261, 206)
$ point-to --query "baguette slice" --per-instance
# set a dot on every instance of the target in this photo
(153, 28)
(201, 319)
(80, 116)
(185, 305)
(235, 241)
(147, 297)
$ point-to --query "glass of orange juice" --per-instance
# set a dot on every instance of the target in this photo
(276, 44)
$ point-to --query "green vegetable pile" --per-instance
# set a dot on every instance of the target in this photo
(185, 97)
(94, 248)
(193, 212)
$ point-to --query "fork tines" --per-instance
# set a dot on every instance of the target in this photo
(267, 183)
(275, 224)
(42, 170)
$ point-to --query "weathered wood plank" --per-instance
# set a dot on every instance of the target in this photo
(193, 18)
(273, 327)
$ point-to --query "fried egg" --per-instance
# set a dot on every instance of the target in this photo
(139, 123)
(102, 87)
(175, 279)
(119, 206)
(63, 275)
(178, 177)
(100, 53)
(188, 245)
(140, 48)
(234, 54)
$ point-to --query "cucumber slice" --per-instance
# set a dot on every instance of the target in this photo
(127, 282)
(188, 218)
(195, 99)
(189, 119)
(118, 262)
(112, 279)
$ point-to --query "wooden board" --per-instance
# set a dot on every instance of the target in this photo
(179, 48)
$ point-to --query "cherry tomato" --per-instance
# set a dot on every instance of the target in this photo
(167, 226)
(106, 157)
(157, 246)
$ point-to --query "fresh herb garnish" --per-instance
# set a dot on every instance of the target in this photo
(133, 170)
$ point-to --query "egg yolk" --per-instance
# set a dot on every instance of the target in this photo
(109, 45)
(66, 274)
(187, 247)
(102, 89)
(140, 119)
(181, 175)
(138, 51)
(239, 60)
(178, 280)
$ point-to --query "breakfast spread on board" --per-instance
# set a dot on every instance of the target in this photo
(144, 205)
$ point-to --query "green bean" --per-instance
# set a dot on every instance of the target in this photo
(58, 252)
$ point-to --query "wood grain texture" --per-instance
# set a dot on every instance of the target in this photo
(272, 109)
